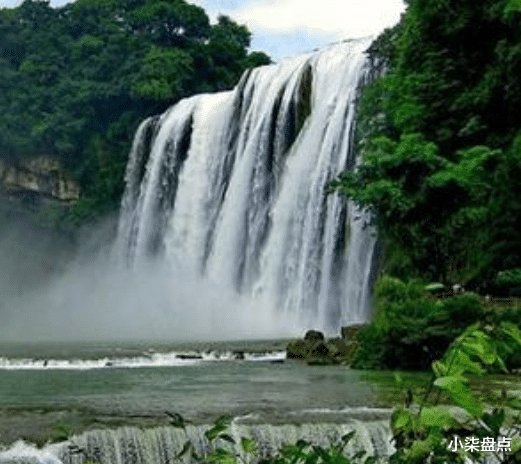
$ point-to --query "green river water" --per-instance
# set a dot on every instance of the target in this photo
(78, 387)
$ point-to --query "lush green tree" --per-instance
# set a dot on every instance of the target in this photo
(411, 328)
(438, 134)
(77, 80)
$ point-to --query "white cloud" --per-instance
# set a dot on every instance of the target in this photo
(288, 27)
(9, 3)
(338, 18)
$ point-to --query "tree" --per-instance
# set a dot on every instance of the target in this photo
(437, 136)
(77, 80)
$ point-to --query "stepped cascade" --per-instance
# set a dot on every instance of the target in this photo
(231, 188)
(162, 445)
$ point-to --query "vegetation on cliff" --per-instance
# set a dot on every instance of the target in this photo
(440, 136)
(77, 80)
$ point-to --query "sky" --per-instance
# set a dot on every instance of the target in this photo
(287, 27)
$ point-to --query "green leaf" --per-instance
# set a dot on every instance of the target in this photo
(226, 437)
(398, 379)
(248, 445)
(401, 419)
(512, 331)
(456, 387)
(187, 447)
(221, 424)
(419, 450)
(495, 420)
(516, 444)
(437, 416)
(450, 383)
(222, 456)
(348, 437)
(439, 369)
(462, 364)
(465, 399)
(176, 420)
(513, 6)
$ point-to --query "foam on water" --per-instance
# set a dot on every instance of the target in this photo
(187, 358)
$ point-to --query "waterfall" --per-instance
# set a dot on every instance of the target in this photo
(161, 445)
(231, 189)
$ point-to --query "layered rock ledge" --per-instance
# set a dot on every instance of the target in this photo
(43, 176)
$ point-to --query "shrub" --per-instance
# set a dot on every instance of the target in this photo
(411, 328)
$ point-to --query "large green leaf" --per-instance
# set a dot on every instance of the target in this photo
(401, 419)
(437, 416)
(460, 393)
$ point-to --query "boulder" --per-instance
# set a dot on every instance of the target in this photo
(338, 347)
(297, 349)
(350, 332)
(314, 336)
(319, 350)
(319, 355)
(342, 350)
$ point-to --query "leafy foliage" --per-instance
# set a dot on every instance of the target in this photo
(422, 431)
(411, 328)
(76, 80)
(440, 139)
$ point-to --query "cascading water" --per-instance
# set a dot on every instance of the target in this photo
(162, 445)
(231, 189)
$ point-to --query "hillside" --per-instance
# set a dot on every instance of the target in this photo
(77, 80)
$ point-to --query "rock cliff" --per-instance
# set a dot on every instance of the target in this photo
(43, 176)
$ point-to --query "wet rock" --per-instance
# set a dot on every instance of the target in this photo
(337, 347)
(314, 336)
(350, 332)
(319, 350)
(297, 349)
(41, 175)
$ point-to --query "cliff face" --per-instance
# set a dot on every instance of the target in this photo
(43, 176)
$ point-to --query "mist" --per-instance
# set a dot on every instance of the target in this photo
(50, 294)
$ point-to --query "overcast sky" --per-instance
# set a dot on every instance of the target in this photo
(286, 27)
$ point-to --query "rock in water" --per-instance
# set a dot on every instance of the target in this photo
(319, 350)
(313, 336)
(350, 332)
(316, 350)
(297, 349)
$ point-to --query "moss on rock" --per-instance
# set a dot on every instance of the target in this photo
(316, 350)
